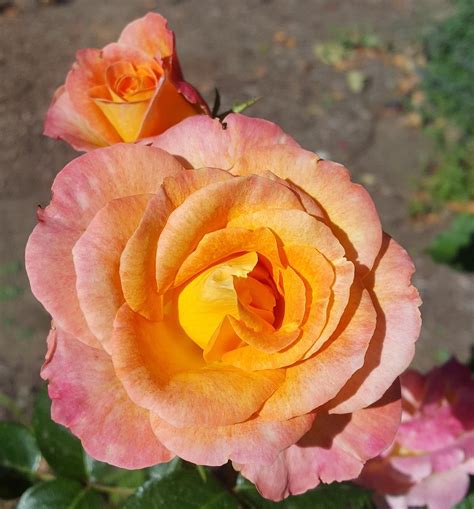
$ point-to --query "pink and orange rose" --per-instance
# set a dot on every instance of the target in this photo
(223, 295)
(129, 90)
(433, 453)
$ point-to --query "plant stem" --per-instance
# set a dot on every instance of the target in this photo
(101, 488)
(109, 490)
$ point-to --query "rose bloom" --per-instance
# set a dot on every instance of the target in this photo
(223, 295)
(129, 90)
(433, 454)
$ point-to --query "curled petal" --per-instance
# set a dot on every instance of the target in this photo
(211, 209)
(312, 383)
(97, 259)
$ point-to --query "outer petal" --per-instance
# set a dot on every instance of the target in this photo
(439, 491)
(80, 190)
(254, 146)
(63, 121)
(398, 325)
(202, 141)
(89, 399)
(250, 441)
(335, 449)
(149, 34)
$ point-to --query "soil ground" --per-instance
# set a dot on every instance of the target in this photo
(246, 48)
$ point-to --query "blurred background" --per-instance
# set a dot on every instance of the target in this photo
(382, 86)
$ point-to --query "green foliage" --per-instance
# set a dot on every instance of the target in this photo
(163, 470)
(182, 489)
(60, 448)
(455, 246)
(60, 494)
(450, 70)
(19, 459)
(453, 179)
(325, 496)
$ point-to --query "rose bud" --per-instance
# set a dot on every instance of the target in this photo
(129, 90)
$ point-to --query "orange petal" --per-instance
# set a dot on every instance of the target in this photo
(166, 108)
(96, 260)
(64, 122)
(125, 117)
(138, 262)
(313, 382)
(220, 244)
(210, 209)
(163, 370)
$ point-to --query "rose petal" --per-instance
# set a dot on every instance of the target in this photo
(97, 259)
(204, 142)
(138, 262)
(335, 449)
(80, 190)
(250, 441)
(64, 122)
(163, 370)
(398, 325)
(210, 209)
(88, 398)
(149, 34)
(315, 381)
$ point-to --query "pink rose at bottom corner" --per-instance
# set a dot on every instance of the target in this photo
(429, 463)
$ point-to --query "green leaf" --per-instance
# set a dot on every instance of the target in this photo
(60, 448)
(183, 489)
(19, 459)
(104, 473)
(455, 246)
(240, 107)
(60, 494)
(325, 496)
(467, 503)
(163, 470)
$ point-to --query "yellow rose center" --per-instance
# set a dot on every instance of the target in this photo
(125, 97)
(221, 291)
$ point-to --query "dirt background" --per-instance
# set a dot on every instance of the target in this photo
(246, 48)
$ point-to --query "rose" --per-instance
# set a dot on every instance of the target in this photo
(129, 90)
(433, 454)
(223, 294)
